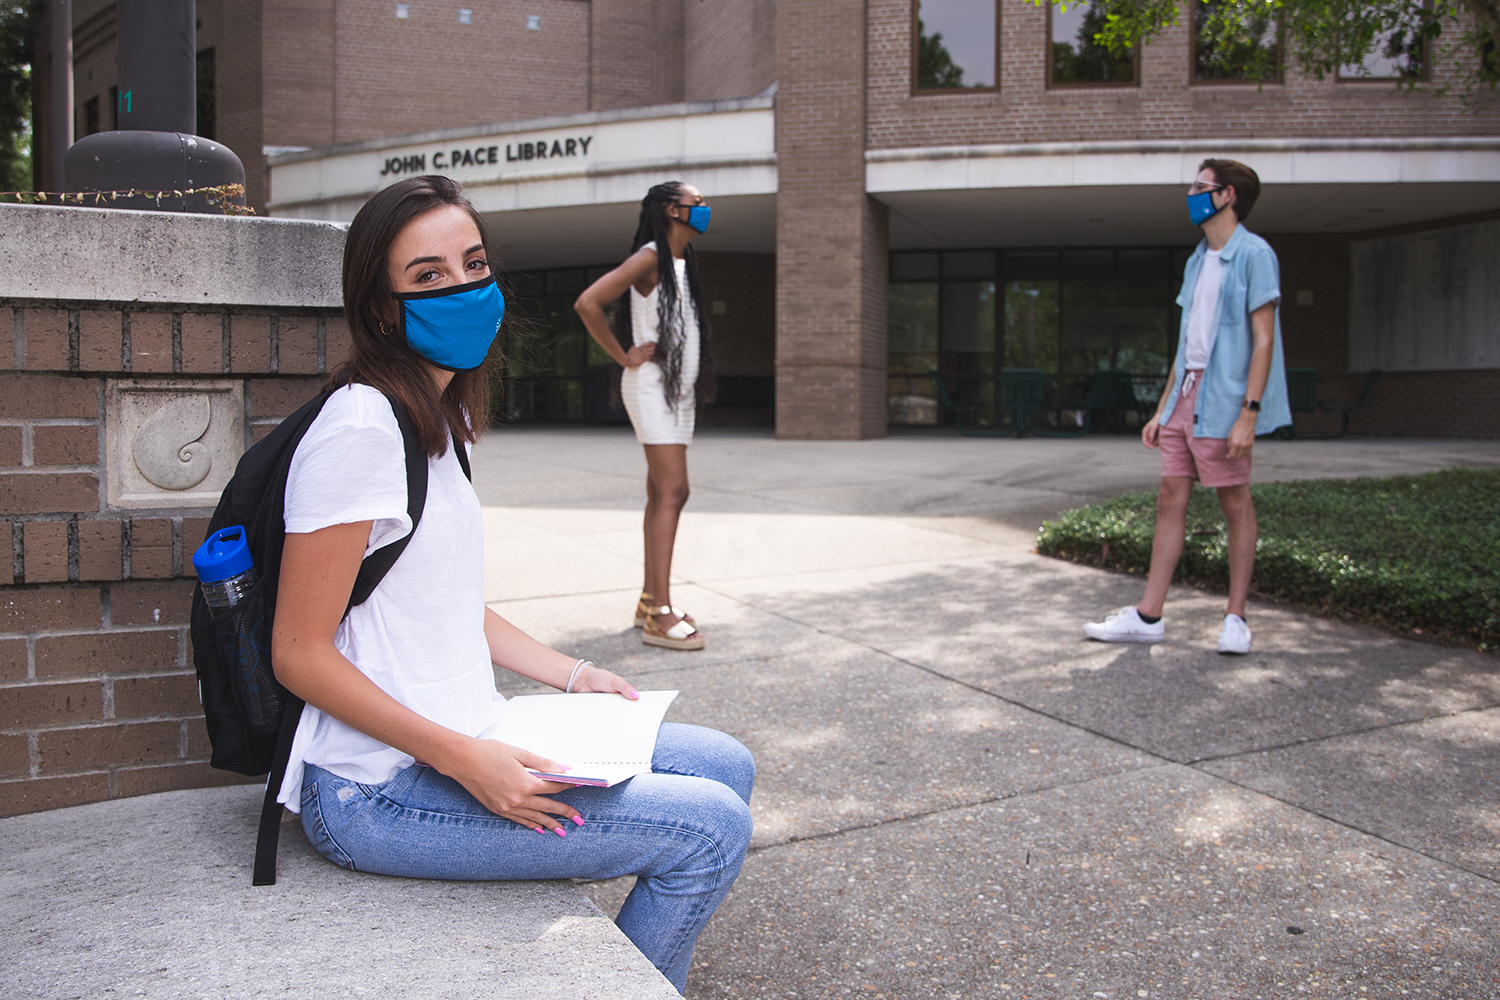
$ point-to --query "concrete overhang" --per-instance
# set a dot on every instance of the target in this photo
(1100, 193)
(578, 204)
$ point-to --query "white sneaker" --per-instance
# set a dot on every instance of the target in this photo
(1125, 626)
(1234, 637)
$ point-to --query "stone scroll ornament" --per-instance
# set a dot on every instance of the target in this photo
(166, 448)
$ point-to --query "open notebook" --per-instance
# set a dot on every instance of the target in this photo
(603, 738)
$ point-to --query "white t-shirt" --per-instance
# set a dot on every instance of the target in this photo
(1203, 315)
(420, 635)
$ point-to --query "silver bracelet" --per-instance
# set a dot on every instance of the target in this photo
(578, 669)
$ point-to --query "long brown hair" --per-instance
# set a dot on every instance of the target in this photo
(383, 361)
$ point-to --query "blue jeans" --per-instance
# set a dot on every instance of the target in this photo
(683, 830)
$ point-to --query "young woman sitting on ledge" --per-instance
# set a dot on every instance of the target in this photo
(387, 768)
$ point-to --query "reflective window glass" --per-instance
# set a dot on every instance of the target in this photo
(1398, 54)
(968, 317)
(1088, 263)
(1115, 325)
(912, 339)
(1245, 46)
(1031, 313)
(1074, 57)
(969, 264)
(1145, 263)
(1031, 264)
(955, 44)
(914, 267)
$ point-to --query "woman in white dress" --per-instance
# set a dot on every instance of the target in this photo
(660, 339)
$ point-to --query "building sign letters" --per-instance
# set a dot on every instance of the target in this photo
(478, 156)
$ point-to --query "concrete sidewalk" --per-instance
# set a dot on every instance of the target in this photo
(959, 796)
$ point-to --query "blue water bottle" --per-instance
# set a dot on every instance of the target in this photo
(225, 569)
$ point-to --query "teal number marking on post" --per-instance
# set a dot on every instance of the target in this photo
(124, 100)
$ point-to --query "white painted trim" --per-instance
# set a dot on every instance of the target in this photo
(686, 163)
(1178, 146)
(727, 148)
(1104, 164)
(526, 125)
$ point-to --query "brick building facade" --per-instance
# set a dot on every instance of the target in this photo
(853, 162)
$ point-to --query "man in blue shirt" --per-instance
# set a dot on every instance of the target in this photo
(1227, 386)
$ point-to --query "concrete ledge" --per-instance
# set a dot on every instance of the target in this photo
(151, 897)
(116, 255)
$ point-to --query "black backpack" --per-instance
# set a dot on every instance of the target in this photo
(251, 718)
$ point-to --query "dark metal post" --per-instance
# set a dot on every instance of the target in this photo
(154, 148)
(62, 90)
(158, 55)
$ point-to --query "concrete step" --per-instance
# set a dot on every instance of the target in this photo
(151, 897)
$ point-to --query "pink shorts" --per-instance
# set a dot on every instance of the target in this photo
(1203, 459)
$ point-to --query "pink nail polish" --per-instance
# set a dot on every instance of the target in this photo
(578, 820)
(635, 696)
(538, 829)
(560, 832)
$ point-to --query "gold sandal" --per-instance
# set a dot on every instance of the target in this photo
(682, 634)
(643, 611)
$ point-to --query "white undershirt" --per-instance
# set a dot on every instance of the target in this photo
(420, 635)
(1204, 312)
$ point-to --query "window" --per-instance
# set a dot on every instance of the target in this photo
(1074, 58)
(207, 100)
(554, 371)
(90, 116)
(1071, 312)
(114, 107)
(1235, 50)
(955, 45)
(940, 317)
(1398, 54)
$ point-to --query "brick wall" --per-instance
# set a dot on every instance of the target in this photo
(743, 286)
(97, 694)
(1315, 334)
(830, 236)
(1166, 105)
(729, 49)
(744, 334)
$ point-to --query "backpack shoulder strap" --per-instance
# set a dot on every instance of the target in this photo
(379, 562)
(463, 456)
(268, 836)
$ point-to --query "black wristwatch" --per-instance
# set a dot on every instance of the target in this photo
(1253, 405)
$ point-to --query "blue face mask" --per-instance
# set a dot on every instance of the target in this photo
(1201, 207)
(698, 218)
(452, 327)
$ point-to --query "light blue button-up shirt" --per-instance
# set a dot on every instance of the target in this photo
(1252, 277)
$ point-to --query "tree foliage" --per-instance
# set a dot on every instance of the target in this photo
(935, 67)
(1322, 36)
(18, 25)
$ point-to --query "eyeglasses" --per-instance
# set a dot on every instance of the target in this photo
(1199, 188)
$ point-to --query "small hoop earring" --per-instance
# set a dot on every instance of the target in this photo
(382, 330)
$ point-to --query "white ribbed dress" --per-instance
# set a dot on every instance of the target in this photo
(641, 388)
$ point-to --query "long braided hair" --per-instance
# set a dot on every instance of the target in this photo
(654, 226)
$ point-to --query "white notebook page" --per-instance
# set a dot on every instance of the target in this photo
(603, 738)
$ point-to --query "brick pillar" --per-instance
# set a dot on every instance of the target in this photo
(98, 697)
(831, 238)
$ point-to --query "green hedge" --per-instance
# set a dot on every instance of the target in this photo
(1414, 553)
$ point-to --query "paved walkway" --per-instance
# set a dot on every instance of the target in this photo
(961, 797)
